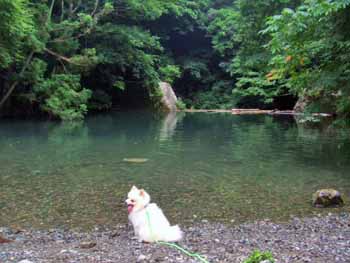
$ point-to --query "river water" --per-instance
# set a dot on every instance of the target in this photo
(200, 166)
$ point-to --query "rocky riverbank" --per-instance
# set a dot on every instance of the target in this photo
(319, 240)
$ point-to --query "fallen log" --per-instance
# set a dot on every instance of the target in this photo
(276, 112)
(259, 111)
(250, 111)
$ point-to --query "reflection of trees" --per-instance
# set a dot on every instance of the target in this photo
(212, 165)
(67, 142)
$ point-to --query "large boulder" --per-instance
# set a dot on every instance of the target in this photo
(327, 198)
(302, 103)
(169, 98)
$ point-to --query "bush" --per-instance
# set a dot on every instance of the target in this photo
(63, 96)
(180, 104)
(258, 256)
(169, 73)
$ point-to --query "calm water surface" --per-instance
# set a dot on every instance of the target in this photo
(217, 167)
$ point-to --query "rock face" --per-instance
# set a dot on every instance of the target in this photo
(327, 198)
(169, 98)
(301, 104)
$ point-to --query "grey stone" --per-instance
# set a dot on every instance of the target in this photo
(141, 258)
(87, 245)
(169, 98)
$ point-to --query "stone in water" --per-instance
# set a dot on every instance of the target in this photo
(135, 160)
(327, 198)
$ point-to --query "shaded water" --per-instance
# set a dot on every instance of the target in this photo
(217, 167)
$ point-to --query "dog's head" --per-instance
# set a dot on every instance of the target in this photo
(137, 199)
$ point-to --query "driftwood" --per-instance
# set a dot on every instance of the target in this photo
(259, 111)
(211, 111)
(249, 111)
(276, 112)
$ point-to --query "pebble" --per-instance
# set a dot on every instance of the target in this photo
(141, 258)
(87, 245)
(318, 239)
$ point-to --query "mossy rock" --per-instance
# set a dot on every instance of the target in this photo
(327, 198)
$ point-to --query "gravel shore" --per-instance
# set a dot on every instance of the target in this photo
(323, 239)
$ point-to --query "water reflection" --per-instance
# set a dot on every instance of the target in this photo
(169, 123)
(215, 166)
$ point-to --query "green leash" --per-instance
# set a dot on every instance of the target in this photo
(173, 245)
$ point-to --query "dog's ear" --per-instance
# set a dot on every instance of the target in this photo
(134, 188)
(142, 192)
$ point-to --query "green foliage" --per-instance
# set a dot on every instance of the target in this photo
(128, 51)
(180, 104)
(16, 25)
(62, 96)
(258, 256)
(217, 97)
(197, 69)
(169, 73)
(236, 35)
(216, 54)
(311, 48)
(100, 101)
(119, 85)
(222, 29)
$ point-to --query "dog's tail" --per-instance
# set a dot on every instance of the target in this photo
(173, 234)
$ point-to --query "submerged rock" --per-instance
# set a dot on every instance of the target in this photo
(327, 198)
(135, 160)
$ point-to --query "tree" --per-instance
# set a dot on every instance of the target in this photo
(310, 47)
(15, 26)
(235, 32)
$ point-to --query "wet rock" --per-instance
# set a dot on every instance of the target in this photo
(327, 198)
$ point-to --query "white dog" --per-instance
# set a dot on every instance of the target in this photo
(148, 220)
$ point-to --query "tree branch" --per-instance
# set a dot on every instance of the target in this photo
(96, 6)
(14, 85)
(77, 7)
(62, 10)
(61, 57)
(50, 11)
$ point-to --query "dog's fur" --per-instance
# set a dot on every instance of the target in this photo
(157, 227)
